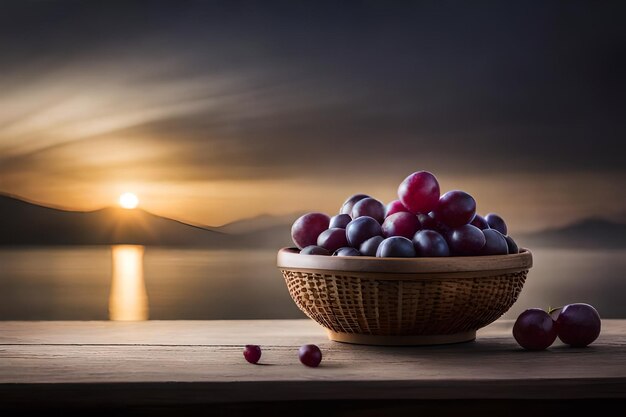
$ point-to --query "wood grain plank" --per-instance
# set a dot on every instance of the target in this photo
(494, 361)
(183, 332)
(218, 332)
(182, 360)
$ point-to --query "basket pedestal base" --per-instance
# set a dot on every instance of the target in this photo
(404, 340)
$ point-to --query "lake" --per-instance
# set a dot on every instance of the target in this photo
(128, 282)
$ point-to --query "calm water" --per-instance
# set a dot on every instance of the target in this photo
(137, 283)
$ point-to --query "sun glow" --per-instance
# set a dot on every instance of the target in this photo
(128, 201)
(128, 299)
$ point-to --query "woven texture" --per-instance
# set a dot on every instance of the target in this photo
(352, 304)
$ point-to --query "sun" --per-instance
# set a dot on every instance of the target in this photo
(128, 201)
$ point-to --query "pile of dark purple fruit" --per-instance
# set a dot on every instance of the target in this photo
(421, 223)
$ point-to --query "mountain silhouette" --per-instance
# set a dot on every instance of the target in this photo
(25, 223)
(262, 222)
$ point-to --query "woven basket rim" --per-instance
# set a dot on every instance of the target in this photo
(290, 258)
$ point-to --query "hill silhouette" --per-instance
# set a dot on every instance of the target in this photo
(258, 223)
(25, 223)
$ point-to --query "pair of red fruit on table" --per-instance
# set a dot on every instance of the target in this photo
(577, 325)
(309, 355)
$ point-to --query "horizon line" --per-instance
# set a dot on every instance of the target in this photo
(212, 228)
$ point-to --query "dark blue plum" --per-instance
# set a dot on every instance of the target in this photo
(427, 222)
(315, 250)
(578, 324)
(369, 207)
(429, 243)
(346, 251)
(495, 243)
(332, 239)
(361, 229)
(396, 247)
(534, 329)
(340, 221)
(512, 245)
(437, 225)
(480, 222)
(369, 247)
(346, 208)
(496, 222)
(466, 240)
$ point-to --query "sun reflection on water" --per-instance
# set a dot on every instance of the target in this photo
(128, 300)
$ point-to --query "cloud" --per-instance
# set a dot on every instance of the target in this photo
(193, 92)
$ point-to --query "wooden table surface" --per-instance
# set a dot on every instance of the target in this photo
(162, 363)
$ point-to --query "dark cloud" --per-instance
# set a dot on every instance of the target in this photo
(318, 88)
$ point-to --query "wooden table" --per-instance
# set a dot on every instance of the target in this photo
(156, 366)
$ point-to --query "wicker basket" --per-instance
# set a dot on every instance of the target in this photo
(403, 301)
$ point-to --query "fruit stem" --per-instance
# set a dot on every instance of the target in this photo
(553, 309)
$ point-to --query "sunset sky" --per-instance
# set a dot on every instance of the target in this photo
(215, 111)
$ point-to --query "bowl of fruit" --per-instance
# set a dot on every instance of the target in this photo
(424, 269)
